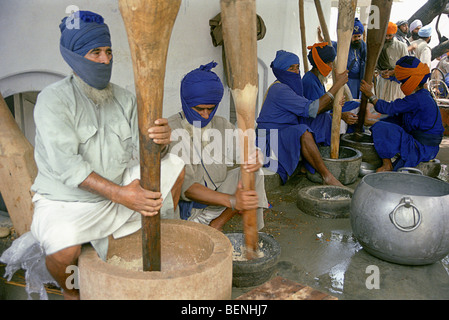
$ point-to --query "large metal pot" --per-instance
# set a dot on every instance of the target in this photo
(402, 217)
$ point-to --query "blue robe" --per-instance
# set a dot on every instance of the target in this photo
(314, 89)
(413, 130)
(288, 113)
(356, 67)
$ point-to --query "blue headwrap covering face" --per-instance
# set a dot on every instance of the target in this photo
(358, 27)
(280, 64)
(200, 86)
(80, 33)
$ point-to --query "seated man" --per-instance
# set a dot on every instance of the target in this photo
(414, 128)
(321, 57)
(87, 186)
(299, 123)
(211, 193)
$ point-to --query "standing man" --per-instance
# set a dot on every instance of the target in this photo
(414, 29)
(356, 59)
(87, 187)
(402, 33)
(388, 87)
(423, 50)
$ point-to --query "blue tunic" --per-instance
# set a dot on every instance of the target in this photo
(414, 129)
(356, 67)
(314, 89)
(289, 115)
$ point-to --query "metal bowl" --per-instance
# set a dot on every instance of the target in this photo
(367, 168)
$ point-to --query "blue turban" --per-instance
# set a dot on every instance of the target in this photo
(425, 32)
(284, 60)
(200, 86)
(80, 33)
(358, 27)
(280, 64)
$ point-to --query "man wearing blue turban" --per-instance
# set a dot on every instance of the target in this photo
(321, 57)
(423, 51)
(211, 193)
(356, 58)
(413, 130)
(300, 124)
(87, 186)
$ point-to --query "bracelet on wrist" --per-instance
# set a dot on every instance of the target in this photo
(232, 200)
(372, 98)
(330, 95)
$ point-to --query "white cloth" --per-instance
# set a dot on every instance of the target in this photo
(59, 224)
(229, 186)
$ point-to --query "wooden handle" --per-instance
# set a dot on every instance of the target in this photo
(345, 27)
(240, 42)
(302, 27)
(374, 43)
(17, 170)
(149, 24)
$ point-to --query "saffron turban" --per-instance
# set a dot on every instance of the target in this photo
(320, 54)
(80, 33)
(358, 27)
(392, 28)
(411, 72)
(284, 60)
(200, 86)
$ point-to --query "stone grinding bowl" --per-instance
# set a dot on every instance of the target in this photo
(345, 168)
(250, 273)
(325, 201)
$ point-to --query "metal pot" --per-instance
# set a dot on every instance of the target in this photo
(401, 217)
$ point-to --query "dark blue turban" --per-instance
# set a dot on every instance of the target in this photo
(80, 33)
(358, 27)
(284, 60)
(200, 86)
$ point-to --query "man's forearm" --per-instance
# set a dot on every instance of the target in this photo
(204, 195)
(95, 183)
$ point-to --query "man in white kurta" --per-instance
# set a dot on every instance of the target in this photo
(86, 150)
(211, 193)
(423, 50)
(388, 87)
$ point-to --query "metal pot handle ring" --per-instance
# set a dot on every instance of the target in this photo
(405, 202)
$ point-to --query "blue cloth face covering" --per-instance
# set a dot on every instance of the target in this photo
(87, 32)
(95, 74)
(293, 80)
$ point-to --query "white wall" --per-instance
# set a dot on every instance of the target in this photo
(30, 58)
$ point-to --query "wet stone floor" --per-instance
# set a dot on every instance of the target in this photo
(323, 254)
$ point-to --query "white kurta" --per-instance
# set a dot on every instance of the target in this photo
(387, 89)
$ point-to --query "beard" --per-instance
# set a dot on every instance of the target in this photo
(356, 44)
(99, 97)
(415, 36)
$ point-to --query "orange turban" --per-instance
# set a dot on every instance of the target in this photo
(411, 75)
(320, 64)
(392, 28)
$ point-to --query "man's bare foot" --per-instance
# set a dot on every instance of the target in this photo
(387, 166)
